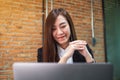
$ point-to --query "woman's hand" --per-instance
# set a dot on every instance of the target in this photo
(79, 45)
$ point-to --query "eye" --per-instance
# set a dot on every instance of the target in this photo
(63, 26)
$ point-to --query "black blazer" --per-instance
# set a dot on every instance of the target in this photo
(77, 57)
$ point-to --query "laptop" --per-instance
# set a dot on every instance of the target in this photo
(55, 71)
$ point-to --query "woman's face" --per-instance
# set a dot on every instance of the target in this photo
(61, 31)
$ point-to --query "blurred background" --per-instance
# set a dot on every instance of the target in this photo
(22, 24)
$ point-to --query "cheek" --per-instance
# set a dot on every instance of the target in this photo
(68, 31)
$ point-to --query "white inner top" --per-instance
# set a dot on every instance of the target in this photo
(61, 52)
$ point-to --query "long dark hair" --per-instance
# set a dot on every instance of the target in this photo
(49, 45)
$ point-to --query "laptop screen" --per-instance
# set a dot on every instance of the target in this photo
(54, 71)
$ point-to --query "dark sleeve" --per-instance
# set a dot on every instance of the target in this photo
(90, 50)
(77, 57)
(39, 55)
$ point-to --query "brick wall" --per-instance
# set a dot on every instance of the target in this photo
(20, 33)
(21, 29)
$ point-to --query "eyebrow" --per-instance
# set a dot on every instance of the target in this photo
(62, 23)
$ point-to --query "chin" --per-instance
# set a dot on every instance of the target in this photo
(62, 42)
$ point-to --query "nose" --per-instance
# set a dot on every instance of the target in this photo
(59, 31)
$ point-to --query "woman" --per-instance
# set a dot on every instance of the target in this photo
(60, 43)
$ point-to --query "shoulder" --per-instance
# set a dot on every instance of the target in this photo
(39, 55)
(40, 50)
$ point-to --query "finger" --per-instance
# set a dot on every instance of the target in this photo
(82, 42)
(78, 42)
(78, 47)
(74, 42)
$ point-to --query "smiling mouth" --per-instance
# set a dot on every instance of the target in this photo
(61, 38)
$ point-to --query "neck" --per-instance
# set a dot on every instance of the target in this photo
(64, 46)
